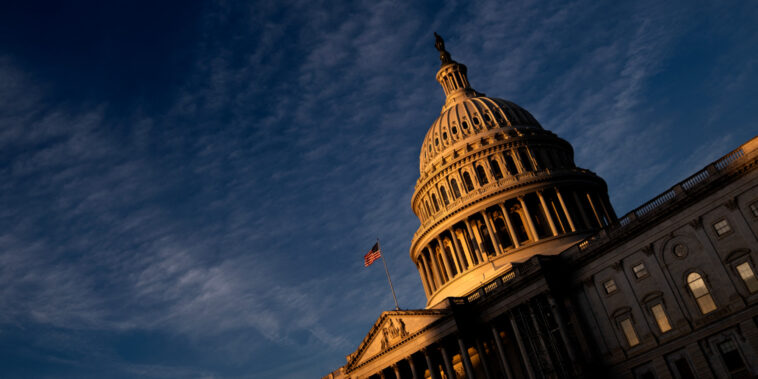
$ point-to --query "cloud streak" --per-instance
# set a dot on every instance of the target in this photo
(224, 216)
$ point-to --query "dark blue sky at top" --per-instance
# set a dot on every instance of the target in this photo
(188, 187)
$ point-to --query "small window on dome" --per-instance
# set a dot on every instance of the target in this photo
(455, 130)
(464, 124)
(487, 117)
(444, 135)
(436, 141)
(476, 120)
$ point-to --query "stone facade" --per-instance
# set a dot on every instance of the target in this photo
(529, 273)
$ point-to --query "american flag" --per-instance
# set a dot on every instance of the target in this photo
(372, 255)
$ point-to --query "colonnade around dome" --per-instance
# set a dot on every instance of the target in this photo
(498, 232)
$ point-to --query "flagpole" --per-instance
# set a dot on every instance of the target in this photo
(397, 307)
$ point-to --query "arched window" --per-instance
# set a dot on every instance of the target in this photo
(525, 161)
(496, 170)
(501, 229)
(454, 188)
(428, 210)
(515, 215)
(488, 244)
(547, 159)
(510, 165)
(748, 276)
(701, 293)
(436, 204)
(467, 181)
(481, 175)
(443, 193)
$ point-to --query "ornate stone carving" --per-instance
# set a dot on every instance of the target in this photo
(392, 333)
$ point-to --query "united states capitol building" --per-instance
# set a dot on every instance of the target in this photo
(529, 273)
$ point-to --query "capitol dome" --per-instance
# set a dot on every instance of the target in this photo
(495, 188)
(470, 116)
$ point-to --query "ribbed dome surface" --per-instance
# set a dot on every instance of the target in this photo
(469, 117)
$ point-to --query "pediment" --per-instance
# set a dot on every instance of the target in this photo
(391, 329)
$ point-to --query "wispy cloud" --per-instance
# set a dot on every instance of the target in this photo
(233, 216)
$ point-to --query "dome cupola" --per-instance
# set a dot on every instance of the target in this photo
(494, 188)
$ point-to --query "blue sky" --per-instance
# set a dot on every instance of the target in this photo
(188, 187)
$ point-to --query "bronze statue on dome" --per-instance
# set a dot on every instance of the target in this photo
(439, 43)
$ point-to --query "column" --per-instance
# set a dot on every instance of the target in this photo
(501, 352)
(454, 254)
(432, 368)
(397, 371)
(564, 228)
(520, 343)
(428, 268)
(381, 375)
(482, 357)
(606, 202)
(434, 268)
(507, 218)
(465, 358)
(414, 374)
(528, 218)
(443, 256)
(540, 336)
(468, 246)
(491, 230)
(536, 166)
(547, 213)
(562, 328)
(449, 372)
(594, 210)
(581, 210)
(482, 256)
(462, 249)
(427, 276)
(423, 279)
(442, 265)
(565, 210)
(605, 209)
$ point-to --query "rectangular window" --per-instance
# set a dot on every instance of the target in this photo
(748, 276)
(661, 318)
(683, 369)
(754, 209)
(629, 332)
(733, 360)
(722, 227)
(610, 286)
(640, 271)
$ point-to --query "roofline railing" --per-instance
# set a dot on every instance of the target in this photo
(681, 189)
